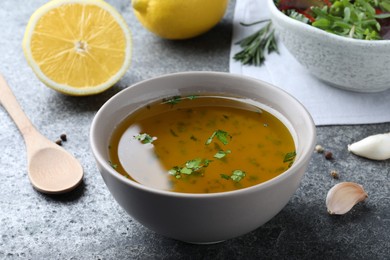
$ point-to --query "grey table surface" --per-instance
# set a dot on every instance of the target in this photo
(88, 224)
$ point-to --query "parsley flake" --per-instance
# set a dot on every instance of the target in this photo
(145, 138)
(172, 100)
(220, 154)
(237, 175)
(221, 135)
(114, 166)
(176, 99)
(190, 167)
(289, 158)
(225, 176)
(186, 170)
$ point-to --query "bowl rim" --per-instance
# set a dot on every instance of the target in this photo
(306, 152)
(274, 11)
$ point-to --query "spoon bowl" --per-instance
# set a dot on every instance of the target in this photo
(51, 169)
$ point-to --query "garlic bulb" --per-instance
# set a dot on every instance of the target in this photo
(343, 196)
(375, 147)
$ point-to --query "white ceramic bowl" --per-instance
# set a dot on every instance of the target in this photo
(352, 64)
(203, 218)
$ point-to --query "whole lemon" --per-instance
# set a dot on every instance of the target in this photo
(179, 19)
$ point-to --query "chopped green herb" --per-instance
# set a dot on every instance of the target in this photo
(176, 99)
(253, 178)
(186, 170)
(254, 162)
(237, 175)
(174, 170)
(144, 138)
(193, 138)
(210, 139)
(173, 133)
(114, 166)
(289, 157)
(220, 154)
(194, 164)
(221, 135)
(206, 162)
(225, 176)
(172, 100)
(190, 167)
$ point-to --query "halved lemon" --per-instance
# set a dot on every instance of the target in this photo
(78, 47)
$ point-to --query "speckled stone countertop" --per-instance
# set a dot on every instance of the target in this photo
(88, 224)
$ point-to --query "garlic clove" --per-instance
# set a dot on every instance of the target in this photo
(343, 196)
(375, 147)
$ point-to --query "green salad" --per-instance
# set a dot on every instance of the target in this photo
(358, 19)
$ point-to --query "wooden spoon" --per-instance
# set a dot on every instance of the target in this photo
(51, 169)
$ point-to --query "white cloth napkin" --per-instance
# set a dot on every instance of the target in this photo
(327, 105)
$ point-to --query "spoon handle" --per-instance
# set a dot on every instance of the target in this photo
(9, 102)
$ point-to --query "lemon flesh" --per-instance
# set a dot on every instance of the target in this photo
(78, 47)
(177, 20)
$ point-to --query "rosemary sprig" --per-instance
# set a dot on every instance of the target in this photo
(256, 46)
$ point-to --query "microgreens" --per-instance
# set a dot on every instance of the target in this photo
(353, 20)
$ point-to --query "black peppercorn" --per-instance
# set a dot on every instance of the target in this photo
(63, 137)
(328, 155)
